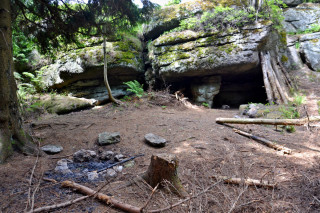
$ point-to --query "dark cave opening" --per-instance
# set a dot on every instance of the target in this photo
(241, 89)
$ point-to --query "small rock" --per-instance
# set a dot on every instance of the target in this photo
(52, 149)
(106, 155)
(93, 176)
(107, 138)
(225, 107)
(111, 173)
(119, 157)
(129, 164)
(118, 168)
(62, 167)
(84, 155)
(155, 140)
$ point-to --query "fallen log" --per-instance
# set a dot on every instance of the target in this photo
(264, 141)
(102, 197)
(247, 181)
(296, 122)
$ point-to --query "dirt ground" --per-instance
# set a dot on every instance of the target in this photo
(203, 147)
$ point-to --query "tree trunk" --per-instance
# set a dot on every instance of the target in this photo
(11, 132)
(105, 69)
(165, 167)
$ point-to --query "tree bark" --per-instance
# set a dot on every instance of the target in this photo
(165, 167)
(267, 85)
(11, 132)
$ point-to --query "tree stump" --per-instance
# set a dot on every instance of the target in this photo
(165, 167)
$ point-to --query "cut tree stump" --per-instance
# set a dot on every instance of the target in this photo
(165, 167)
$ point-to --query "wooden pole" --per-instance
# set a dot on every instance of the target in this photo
(267, 85)
(264, 141)
(296, 122)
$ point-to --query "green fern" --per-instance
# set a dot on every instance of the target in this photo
(135, 87)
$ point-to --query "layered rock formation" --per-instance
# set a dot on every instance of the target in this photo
(80, 71)
(216, 65)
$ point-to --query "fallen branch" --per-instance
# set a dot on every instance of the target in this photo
(296, 122)
(102, 197)
(68, 203)
(264, 141)
(60, 205)
(30, 181)
(248, 181)
(150, 197)
(127, 207)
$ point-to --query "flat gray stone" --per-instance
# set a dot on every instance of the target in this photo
(52, 149)
(155, 140)
(107, 138)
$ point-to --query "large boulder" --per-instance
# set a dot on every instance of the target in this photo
(301, 18)
(290, 57)
(293, 3)
(310, 49)
(189, 53)
(59, 104)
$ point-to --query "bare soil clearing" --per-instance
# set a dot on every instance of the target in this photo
(203, 147)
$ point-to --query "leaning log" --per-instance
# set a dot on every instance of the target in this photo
(296, 122)
(266, 81)
(264, 141)
(247, 181)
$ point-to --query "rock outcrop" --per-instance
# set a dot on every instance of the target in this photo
(301, 18)
(80, 71)
(310, 50)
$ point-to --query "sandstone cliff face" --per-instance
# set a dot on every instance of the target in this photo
(80, 71)
(215, 64)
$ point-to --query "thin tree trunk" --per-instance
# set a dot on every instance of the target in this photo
(105, 69)
(10, 119)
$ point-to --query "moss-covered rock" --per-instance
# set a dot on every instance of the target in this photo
(169, 17)
(57, 104)
(124, 58)
(190, 53)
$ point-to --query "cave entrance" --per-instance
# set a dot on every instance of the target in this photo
(241, 89)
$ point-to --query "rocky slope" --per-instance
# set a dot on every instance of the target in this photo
(216, 64)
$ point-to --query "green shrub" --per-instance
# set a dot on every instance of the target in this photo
(135, 87)
(205, 104)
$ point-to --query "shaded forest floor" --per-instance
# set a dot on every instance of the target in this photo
(203, 147)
